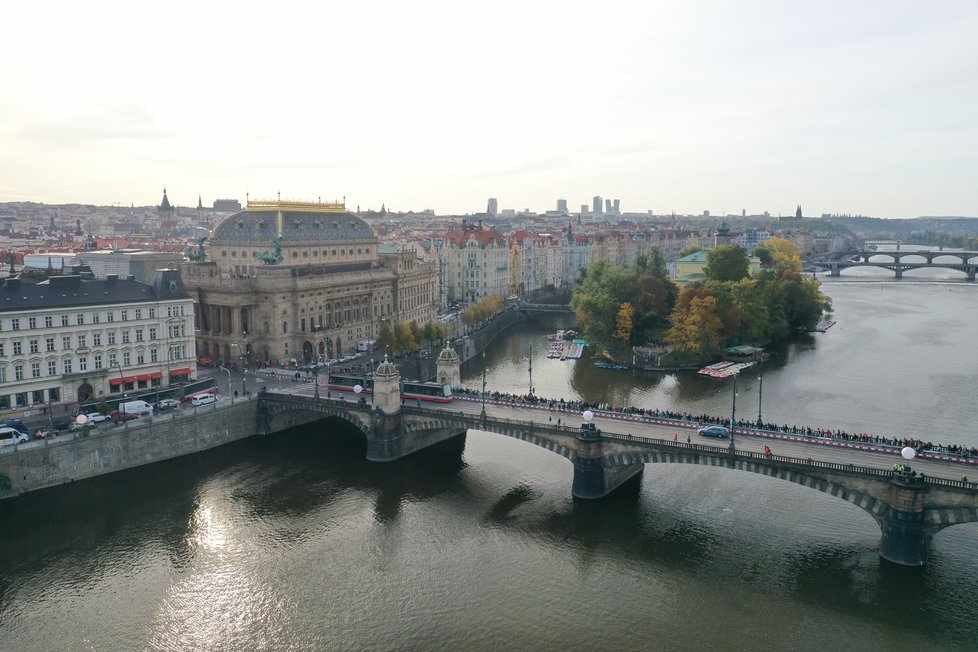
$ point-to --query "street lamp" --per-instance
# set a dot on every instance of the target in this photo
(228, 372)
(760, 387)
(122, 382)
(483, 385)
(733, 412)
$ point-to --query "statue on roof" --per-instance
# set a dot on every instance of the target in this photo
(272, 258)
(198, 255)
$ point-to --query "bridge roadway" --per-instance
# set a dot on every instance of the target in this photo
(831, 451)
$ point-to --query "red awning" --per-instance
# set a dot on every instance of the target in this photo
(142, 377)
(118, 381)
(180, 372)
(156, 374)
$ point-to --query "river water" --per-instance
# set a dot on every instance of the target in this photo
(294, 542)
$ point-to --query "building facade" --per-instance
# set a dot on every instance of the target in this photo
(70, 340)
(475, 264)
(293, 282)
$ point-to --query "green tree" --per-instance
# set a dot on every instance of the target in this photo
(727, 263)
(434, 331)
(403, 337)
(385, 339)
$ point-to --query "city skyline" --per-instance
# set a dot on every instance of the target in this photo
(667, 106)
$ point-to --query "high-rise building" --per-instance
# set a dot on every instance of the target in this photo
(562, 205)
(596, 205)
(493, 209)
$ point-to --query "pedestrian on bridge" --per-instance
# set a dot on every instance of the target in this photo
(675, 436)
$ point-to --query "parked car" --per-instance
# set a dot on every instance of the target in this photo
(168, 404)
(714, 431)
(96, 417)
(117, 416)
(9, 436)
(61, 424)
(203, 399)
(16, 424)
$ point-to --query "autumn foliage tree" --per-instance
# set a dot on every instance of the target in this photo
(623, 323)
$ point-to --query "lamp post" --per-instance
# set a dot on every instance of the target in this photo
(733, 413)
(228, 372)
(760, 386)
(483, 385)
(122, 383)
(531, 369)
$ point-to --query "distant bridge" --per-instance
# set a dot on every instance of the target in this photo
(529, 308)
(967, 261)
(910, 509)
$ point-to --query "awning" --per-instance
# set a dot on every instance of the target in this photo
(142, 377)
(119, 381)
(156, 374)
(180, 372)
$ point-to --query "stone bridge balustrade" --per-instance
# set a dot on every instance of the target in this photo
(909, 509)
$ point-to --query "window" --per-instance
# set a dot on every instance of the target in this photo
(18, 372)
(152, 333)
(2, 352)
(98, 361)
(48, 322)
(83, 363)
(49, 344)
(66, 342)
(54, 394)
(33, 346)
(82, 341)
(3, 374)
(154, 355)
(32, 322)
(111, 338)
(125, 336)
(37, 396)
(52, 368)
(94, 317)
(35, 370)
(140, 357)
(139, 334)
(110, 316)
(126, 360)
(125, 315)
(80, 319)
(21, 399)
(152, 313)
(17, 346)
(96, 339)
(15, 324)
(112, 360)
(67, 366)
(64, 320)
(139, 313)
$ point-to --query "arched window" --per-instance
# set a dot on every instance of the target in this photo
(285, 328)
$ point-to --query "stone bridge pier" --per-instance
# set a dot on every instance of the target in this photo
(593, 478)
(906, 535)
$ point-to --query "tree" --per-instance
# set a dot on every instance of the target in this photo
(779, 254)
(385, 338)
(403, 337)
(727, 263)
(623, 324)
(434, 331)
(692, 249)
(696, 326)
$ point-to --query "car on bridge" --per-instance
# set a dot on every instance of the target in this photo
(714, 431)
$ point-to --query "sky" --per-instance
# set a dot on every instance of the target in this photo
(684, 106)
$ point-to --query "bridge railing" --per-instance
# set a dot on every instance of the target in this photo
(797, 461)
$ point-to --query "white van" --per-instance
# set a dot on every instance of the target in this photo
(10, 436)
(203, 399)
(135, 407)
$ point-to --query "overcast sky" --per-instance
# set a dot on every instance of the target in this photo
(866, 107)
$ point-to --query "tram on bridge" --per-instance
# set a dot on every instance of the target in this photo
(410, 389)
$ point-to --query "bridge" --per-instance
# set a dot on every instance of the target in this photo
(966, 262)
(531, 308)
(909, 507)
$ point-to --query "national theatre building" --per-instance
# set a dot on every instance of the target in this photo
(284, 280)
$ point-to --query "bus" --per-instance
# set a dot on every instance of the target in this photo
(415, 390)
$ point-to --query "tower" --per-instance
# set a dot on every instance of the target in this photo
(596, 205)
(798, 212)
(493, 208)
(167, 215)
(448, 367)
(387, 388)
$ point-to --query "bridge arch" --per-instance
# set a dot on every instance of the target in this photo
(559, 441)
(279, 416)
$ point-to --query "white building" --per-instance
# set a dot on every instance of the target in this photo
(69, 340)
(474, 265)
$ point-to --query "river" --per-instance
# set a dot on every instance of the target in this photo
(294, 542)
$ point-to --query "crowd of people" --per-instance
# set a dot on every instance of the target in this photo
(706, 419)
